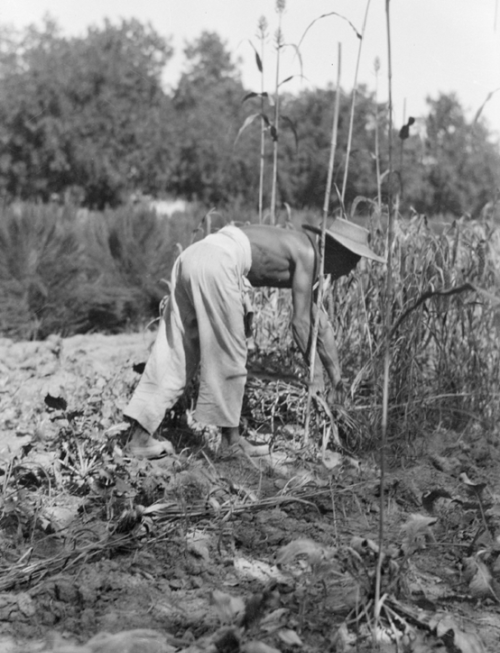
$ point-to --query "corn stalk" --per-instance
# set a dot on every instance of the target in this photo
(280, 7)
(262, 36)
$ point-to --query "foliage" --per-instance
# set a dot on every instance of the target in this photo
(303, 176)
(207, 103)
(446, 362)
(456, 163)
(88, 118)
(66, 272)
(84, 113)
(41, 268)
(446, 366)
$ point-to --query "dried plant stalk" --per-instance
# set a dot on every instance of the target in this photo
(326, 205)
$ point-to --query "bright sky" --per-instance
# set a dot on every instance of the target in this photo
(437, 45)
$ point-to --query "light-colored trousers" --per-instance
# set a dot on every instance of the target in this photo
(202, 324)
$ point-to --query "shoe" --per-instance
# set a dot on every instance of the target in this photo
(155, 449)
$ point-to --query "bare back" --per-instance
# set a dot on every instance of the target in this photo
(277, 255)
(283, 258)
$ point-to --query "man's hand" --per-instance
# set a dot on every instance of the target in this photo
(336, 395)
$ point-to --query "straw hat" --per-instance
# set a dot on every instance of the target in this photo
(350, 235)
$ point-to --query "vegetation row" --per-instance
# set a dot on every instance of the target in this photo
(67, 272)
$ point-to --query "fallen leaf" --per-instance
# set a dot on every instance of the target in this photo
(228, 607)
(474, 488)
(273, 620)
(479, 578)
(364, 546)
(417, 530)
(258, 647)
(302, 547)
(463, 642)
(290, 637)
(257, 570)
(197, 543)
(129, 641)
(116, 429)
(331, 459)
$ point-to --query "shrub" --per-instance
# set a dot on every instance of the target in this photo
(41, 264)
(64, 271)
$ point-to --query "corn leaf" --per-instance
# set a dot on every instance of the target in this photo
(248, 121)
(258, 60)
(331, 13)
(289, 122)
(297, 52)
(253, 94)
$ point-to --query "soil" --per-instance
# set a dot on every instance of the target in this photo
(222, 552)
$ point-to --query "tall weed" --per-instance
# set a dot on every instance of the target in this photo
(445, 356)
(445, 362)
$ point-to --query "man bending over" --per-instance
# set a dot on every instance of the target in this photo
(203, 323)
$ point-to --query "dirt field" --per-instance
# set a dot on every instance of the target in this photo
(213, 553)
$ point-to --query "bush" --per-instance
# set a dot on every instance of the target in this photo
(41, 263)
(65, 271)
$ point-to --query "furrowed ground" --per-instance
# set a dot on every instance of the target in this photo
(214, 553)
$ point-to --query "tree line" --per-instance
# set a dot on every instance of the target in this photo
(88, 118)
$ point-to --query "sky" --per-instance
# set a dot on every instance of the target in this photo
(436, 45)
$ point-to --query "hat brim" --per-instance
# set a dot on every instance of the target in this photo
(351, 245)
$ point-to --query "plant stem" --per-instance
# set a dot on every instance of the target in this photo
(326, 205)
(276, 120)
(401, 159)
(377, 149)
(262, 128)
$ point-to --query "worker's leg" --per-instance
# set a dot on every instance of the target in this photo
(216, 294)
(217, 299)
(171, 365)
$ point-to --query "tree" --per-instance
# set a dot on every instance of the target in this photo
(303, 169)
(459, 166)
(87, 112)
(208, 110)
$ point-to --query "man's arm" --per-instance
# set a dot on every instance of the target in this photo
(302, 321)
(327, 349)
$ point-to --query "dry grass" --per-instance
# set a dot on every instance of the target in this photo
(445, 357)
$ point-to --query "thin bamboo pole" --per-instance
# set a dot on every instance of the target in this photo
(353, 104)
(377, 150)
(387, 329)
(326, 206)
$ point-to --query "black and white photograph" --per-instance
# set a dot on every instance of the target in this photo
(250, 326)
